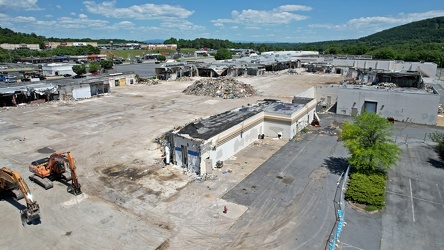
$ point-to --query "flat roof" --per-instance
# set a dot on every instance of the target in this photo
(285, 108)
(216, 124)
(392, 89)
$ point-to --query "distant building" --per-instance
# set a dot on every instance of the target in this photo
(8, 46)
(57, 69)
(160, 46)
(53, 45)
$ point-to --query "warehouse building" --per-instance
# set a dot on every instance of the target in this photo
(57, 69)
(200, 145)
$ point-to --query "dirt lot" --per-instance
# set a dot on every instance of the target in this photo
(129, 200)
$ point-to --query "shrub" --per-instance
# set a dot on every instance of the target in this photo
(367, 189)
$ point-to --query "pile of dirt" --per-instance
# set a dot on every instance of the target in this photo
(227, 88)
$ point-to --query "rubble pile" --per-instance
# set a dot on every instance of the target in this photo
(149, 81)
(388, 85)
(227, 88)
(184, 79)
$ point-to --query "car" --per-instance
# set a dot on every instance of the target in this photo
(27, 63)
(3, 67)
(67, 75)
(10, 80)
(78, 76)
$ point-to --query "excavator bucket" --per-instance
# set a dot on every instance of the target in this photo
(74, 190)
(29, 216)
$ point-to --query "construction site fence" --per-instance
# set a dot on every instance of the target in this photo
(339, 204)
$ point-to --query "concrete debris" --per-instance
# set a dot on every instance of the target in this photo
(388, 85)
(184, 79)
(227, 88)
(148, 81)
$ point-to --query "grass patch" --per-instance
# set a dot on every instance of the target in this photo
(367, 189)
(371, 208)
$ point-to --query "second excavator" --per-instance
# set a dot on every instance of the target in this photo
(55, 168)
(11, 183)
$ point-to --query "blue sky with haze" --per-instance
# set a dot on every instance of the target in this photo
(235, 20)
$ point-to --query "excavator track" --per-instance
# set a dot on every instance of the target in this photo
(17, 194)
(46, 183)
(67, 176)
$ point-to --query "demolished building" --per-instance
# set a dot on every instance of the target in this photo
(399, 96)
(198, 146)
(63, 89)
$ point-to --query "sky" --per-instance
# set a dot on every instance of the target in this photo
(234, 20)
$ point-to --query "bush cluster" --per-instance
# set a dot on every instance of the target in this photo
(368, 189)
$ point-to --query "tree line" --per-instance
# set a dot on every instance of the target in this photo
(416, 41)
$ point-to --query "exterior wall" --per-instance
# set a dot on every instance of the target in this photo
(309, 93)
(407, 107)
(192, 154)
(8, 46)
(121, 80)
(233, 140)
(276, 125)
(57, 69)
(327, 94)
(69, 44)
(81, 92)
(427, 69)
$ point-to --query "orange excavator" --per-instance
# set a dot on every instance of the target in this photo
(11, 183)
(53, 168)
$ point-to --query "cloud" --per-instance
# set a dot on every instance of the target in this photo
(58, 6)
(279, 15)
(27, 5)
(183, 25)
(293, 7)
(377, 23)
(139, 12)
(83, 16)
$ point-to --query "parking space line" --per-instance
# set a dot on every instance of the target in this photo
(411, 199)
(420, 199)
(440, 196)
(345, 245)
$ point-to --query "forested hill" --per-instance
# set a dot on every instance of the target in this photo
(425, 31)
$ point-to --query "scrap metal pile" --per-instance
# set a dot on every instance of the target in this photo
(227, 88)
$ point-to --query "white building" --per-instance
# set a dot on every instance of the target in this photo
(200, 145)
(403, 104)
(57, 69)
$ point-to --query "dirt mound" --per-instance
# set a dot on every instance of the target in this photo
(227, 88)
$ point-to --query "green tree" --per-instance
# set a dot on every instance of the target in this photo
(368, 140)
(106, 64)
(94, 67)
(438, 137)
(386, 53)
(223, 54)
(79, 69)
(161, 58)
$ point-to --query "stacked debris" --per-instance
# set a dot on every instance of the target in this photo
(227, 88)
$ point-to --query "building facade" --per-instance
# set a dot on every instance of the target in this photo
(199, 146)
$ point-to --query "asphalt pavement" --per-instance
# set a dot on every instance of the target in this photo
(290, 198)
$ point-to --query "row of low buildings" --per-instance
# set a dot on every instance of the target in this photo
(63, 89)
(352, 67)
